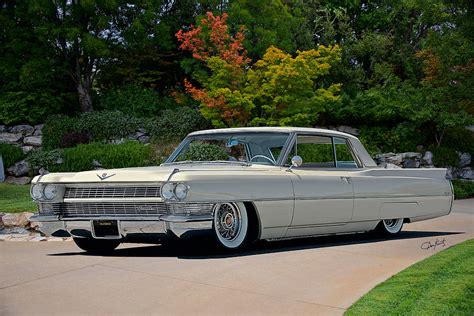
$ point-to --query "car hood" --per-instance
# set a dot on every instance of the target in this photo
(162, 173)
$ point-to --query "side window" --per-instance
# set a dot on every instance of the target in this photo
(316, 151)
(344, 156)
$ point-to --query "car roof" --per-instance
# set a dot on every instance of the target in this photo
(321, 131)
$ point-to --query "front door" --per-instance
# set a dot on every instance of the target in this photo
(323, 192)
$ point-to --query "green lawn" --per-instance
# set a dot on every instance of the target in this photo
(442, 284)
(15, 198)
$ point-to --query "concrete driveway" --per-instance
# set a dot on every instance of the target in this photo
(311, 276)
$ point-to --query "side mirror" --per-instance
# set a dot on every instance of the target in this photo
(296, 161)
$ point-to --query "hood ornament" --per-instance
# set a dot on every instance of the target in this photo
(104, 176)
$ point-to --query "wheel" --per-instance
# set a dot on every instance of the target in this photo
(231, 225)
(97, 245)
(390, 227)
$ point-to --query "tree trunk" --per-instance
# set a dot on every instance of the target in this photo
(84, 93)
(83, 79)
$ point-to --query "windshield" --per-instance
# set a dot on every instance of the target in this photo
(258, 148)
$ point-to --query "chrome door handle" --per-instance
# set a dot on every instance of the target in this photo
(346, 179)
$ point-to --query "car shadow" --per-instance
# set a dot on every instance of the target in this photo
(203, 248)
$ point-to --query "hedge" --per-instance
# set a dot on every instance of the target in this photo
(88, 156)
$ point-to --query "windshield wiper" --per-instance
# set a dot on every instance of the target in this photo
(245, 163)
(180, 162)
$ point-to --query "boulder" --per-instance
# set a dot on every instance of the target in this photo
(411, 163)
(3, 128)
(34, 225)
(449, 173)
(19, 169)
(25, 130)
(26, 149)
(33, 141)
(38, 130)
(410, 155)
(465, 173)
(19, 181)
(396, 159)
(17, 219)
(96, 164)
(137, 135)
(15, 230)
(144, 139)
(391, 166)
(464, 159)
(10, 138)
(119, 141)
(428, 158)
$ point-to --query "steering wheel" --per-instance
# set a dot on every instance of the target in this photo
(262, 156)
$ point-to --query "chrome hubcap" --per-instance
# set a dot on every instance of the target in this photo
(393, 225)
(228, 221)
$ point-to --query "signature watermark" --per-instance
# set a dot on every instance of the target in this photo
(433, 245)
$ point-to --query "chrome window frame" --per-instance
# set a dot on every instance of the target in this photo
(188, 139)
(346, 139)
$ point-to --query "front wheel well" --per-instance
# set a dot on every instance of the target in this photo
(254, 222)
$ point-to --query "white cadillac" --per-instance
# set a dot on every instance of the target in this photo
(241, 185)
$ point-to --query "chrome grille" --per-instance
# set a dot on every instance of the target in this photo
(118, 209)
(113, 192)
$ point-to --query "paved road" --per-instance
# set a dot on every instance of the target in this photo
(318, 275)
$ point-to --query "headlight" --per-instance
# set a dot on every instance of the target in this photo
(50, 191)
(167, 191)
(37, 191)
(181, 191)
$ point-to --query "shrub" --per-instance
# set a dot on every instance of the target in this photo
(383, 139)
(73, 139)
(161, 151)
(44, 159)
(174, 125)
(10, 154)
(203, 152)
(135, 100)
(444, 157)
(20, 107)
(463, 189)
(55, 128)
(80, 158)
(461, 140)
(64, 131)
(107, 125)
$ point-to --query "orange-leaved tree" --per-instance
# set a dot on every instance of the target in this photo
(211, 43)
(277, 90)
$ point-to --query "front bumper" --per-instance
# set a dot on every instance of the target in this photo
(179, 226)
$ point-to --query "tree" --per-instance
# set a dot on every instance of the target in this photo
(85, 34)
(33, 83)
(269, 23)
(277, 90)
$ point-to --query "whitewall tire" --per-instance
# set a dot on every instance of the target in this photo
(391, 227)
(231, 225)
